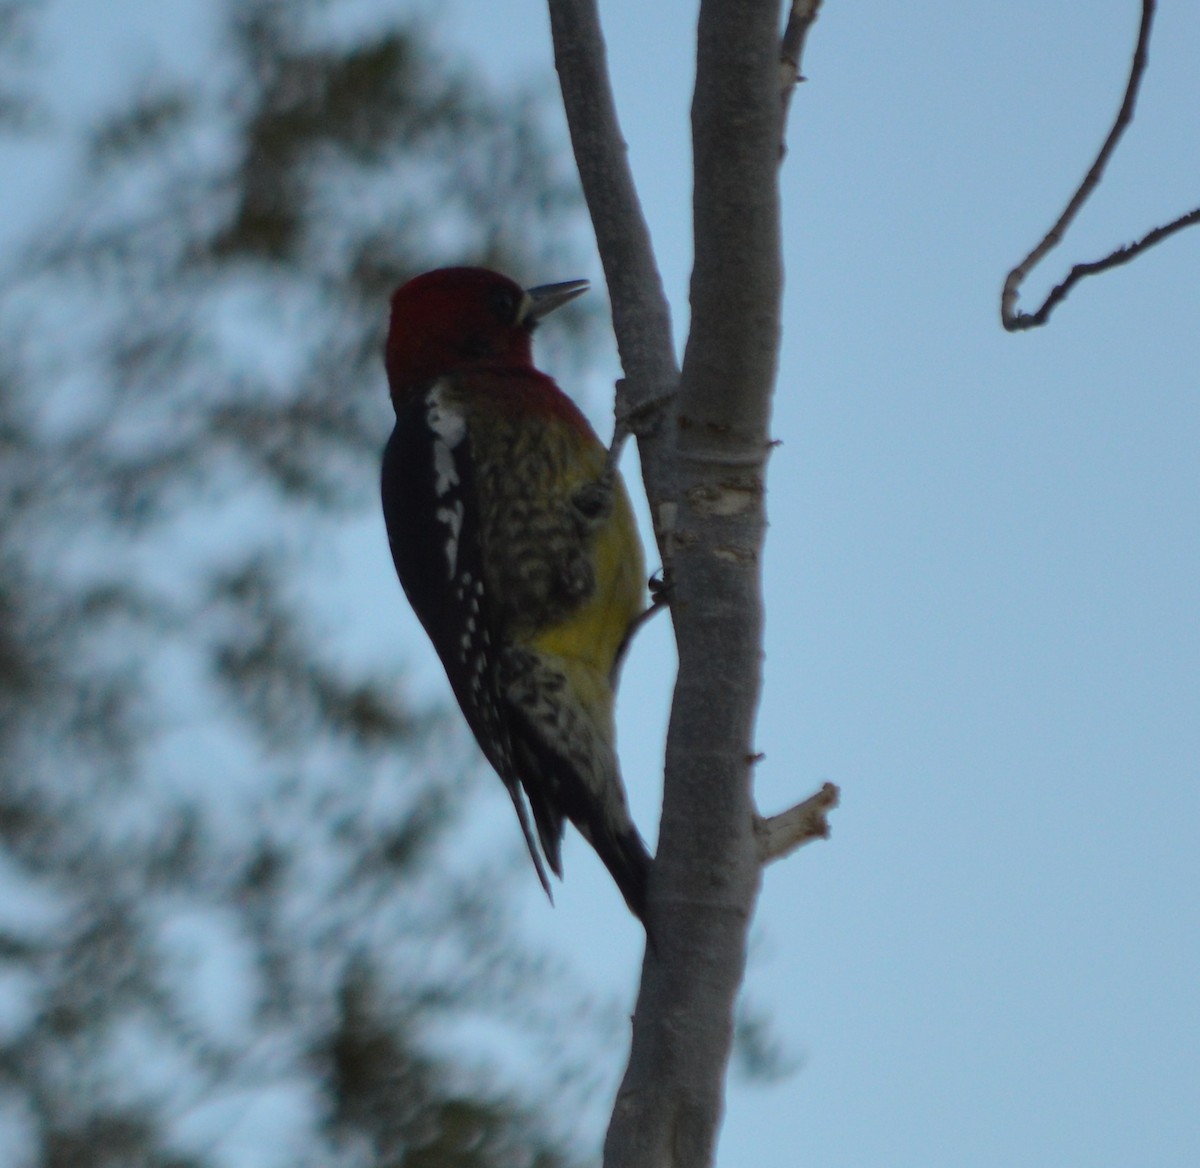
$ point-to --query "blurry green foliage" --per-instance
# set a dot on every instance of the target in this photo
(228, 898)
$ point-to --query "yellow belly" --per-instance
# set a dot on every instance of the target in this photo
(593, 633)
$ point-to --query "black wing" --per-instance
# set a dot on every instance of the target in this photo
(432, 518)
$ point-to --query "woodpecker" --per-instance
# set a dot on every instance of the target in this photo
(516, 546)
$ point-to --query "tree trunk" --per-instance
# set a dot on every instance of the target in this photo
(704, 464)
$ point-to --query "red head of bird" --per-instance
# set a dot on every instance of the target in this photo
(456, 318)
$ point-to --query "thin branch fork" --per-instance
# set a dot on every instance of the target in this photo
(1014, 321)
(1114, 259)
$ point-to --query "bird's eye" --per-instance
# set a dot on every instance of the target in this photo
(505, 302)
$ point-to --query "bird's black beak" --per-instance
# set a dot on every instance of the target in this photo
(545, 298)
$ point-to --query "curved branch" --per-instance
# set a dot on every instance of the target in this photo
(1122, 255)
(1014, 321)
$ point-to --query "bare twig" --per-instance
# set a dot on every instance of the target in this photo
(782, 834)
(801, 17)
(1015, 321)
(1122, 255)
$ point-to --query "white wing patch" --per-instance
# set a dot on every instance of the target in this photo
(449, 428)
(445, 472)
(452, 517)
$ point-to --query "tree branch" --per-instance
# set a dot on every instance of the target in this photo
(707, 872)
(1121, 255)
(782, 834)
(704, 473)
(1014, 321)
(641, 314)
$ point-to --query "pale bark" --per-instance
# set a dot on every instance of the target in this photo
(704, 467)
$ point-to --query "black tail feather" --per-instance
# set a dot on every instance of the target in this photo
(514, 792)
(629, 862)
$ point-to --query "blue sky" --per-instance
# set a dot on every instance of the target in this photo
(981, 580)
